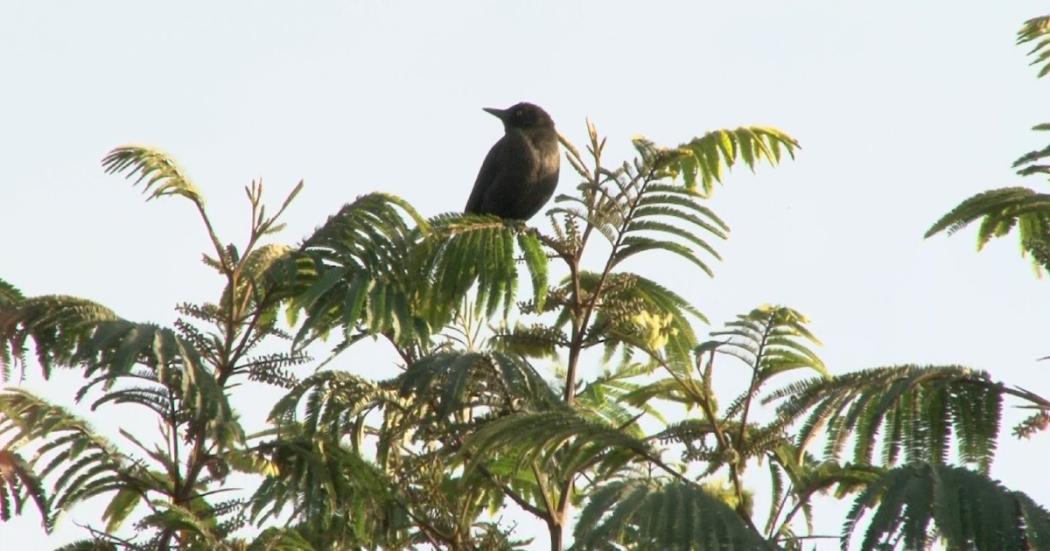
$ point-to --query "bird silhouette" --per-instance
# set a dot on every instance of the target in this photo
(520, 172)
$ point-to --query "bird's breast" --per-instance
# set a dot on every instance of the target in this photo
(543, 152)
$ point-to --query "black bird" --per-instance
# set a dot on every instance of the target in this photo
(520, 172)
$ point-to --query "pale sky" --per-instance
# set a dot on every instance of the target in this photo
(902, 109)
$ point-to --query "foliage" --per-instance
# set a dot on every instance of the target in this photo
(969, 510)
(917, 410)
(675, 515)
(1037, 30)
(1002, 210)
(169, 482)
(627, 428)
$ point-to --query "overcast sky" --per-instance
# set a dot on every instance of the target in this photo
(902, 109)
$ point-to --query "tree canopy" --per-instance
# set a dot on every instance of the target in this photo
(641, 455)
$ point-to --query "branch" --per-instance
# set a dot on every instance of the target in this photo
(513, 495)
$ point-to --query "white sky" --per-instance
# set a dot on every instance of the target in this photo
(902, 110)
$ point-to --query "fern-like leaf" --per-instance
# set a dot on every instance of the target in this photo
(329, 487)
(704, 160)
(646, 515)
(770, 340)
(578, 442)
(1037, 31)
(78, 462)
(535, 341)
(162, 176)
(334, 402)
(916, 409)
(468, 250)
(967, 509)
(640, 313)
(56, 324)
(18, 483)
(354, 272)
(454, 381)
(9, 296)
(281, 539)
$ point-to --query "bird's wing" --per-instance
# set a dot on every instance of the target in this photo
(490, 170)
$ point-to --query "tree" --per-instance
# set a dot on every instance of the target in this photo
(471, 426)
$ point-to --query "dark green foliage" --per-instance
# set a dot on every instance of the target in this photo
(575, 441)
(79, 333)
(496, 381)
(1033, 162)
(178, 376)
(337, 495)
(1000, 211)
(90, 545)
(314, 466)
(432, 456)
(354, 275)
(469, 250)
(334, 403)
(915, 410)
(57, 325)
(648, 515)
(969, 511)
(282, 539)
(369, 272)
(533, 341)
(326, 417)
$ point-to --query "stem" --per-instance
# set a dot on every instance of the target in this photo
(514, 496)
(219, 250)
(557, 537)
(582, 310)
(582, 319)
(726, 446)
(226, 357)
(174, 438)
(564, 503)
(791, 514)
(756, 372)
(576, 338)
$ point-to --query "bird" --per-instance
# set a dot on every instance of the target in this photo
(520, 172)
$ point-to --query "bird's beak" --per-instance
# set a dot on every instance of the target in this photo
(498, 113)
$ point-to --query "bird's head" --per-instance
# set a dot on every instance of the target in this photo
(523, 115)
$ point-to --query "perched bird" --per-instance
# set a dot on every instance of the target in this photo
(520, 172)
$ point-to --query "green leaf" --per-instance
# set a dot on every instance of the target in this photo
(634, 245)
(577, 441)
(967, 509)
(917, 409)
(122, 504)
(1037, 30)
(645, 515)
(536, 260)
(157, 169)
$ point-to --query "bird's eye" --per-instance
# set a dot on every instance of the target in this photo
(519, 113)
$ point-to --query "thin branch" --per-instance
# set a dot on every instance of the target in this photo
(513, 495)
